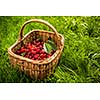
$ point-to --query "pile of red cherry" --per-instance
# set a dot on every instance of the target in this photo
(34, 50)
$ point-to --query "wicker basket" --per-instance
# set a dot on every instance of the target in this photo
(37, 69)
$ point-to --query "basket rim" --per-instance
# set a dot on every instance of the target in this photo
(46, 61)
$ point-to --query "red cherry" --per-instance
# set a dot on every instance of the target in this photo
(22, 50)
(33, 45)
(33, 52)
(38, 43)
(34, 42)
(18, 52)
(29, 46)
(30, 56)
(38, 50)
(33, 58)
(41, 55)
(27, 50)
(48, 55)
(44, 55)
(39, 58)
(36, 56)
(40, 46)
(42, 51)
(41, 43)
(35, 48)
(26, 56)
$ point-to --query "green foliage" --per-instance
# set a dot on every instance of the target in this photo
(49, 46)
(80, 60)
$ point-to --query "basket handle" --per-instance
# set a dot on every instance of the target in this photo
(39, 21)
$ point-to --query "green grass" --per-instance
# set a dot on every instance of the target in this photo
(80, 60)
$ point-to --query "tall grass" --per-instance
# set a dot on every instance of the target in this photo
(80, 60)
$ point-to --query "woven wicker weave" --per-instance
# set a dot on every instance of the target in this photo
(37, 69)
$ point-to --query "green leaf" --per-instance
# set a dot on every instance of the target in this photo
(22, 54)
(49, 46)
(52, 44)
